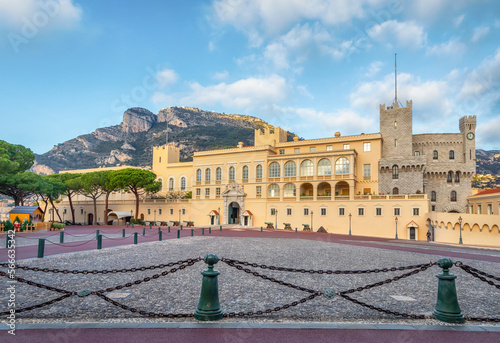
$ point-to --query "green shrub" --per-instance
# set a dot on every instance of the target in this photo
(136, 221)
(7, 225)
(58, 226)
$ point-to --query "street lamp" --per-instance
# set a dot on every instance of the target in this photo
(396, 227)
(179, 217)
(460, 222)
(350, 215)
(85, 218)
(218, 216)
(155, 216)
(276, 219)
(312, 221)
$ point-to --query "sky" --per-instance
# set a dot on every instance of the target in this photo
(313, 67)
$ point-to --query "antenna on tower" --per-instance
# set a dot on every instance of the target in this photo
(396, 81)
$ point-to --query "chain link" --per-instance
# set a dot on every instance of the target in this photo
(313, 271)
(50, 302)
(402, 314)
(483, 319)
(479, 274)
(78, 243)
(66, 271)
(36, 284)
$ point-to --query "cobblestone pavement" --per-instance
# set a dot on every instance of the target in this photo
(239, 291)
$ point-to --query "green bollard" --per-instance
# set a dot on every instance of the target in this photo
(41, 247)
(135, 237)
(221, 228)
(127, 224)
(96, 233)
(99, 242)
(209, 229)
(181, 227)
(132, 225)
(61, 237)
(160, 236)
(159, 229)
(208, 306)
(178, 233)
(295, 230)
(447, 309)
(169, 229)
(203, 231)
(144, 231)
(150, 226)
(123, 232)
(261, 229)
(192, 232)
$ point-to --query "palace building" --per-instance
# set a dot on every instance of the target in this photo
(371, 184)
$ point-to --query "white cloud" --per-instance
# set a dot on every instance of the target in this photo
(166, 77)
(220, 75)
(250, 93)
(39, 13)
(458, 20)
(373, 68)
(302, 89)
(479, 33)
(407, 34)
(452, 47)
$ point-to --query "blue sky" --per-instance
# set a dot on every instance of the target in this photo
(310, 66)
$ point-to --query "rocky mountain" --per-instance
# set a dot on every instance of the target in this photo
(131, 142)
(488, 162)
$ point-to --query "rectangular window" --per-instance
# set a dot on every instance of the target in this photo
(367, 191)
(183, 211)
(288, 211)
(417, 153)
(259, 190)
(282, 151)
(323, 211)
(217, 191)
(306, 211)
(207, 192)
(489, 208)
(378, 211)
(479, 209)
(341, 211)
(296, 150)
(81, 211)
(312, 149)
(361, 211)
(160, 211)
(416, 211)
(367, 171)
(397, 211)
(149, 211)
(433, 208)
(273, 211)
(367, 146)
(171, 211)
(198, 191)
(329, 148)
(347, 146)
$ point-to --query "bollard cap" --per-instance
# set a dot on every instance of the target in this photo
(445, 263)
(211, 259)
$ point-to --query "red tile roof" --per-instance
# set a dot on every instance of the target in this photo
(488, 191)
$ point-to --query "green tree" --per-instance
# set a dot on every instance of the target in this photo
(19, 186)
(49, 188)
(108, 188)
(73, 186)
(93, 184)
(137, 181)
(14, 158)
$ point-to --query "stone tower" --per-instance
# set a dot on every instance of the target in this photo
(467, 126)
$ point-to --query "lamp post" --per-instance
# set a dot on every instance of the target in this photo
(64, 212)
(179, 217)
(460, 222)
(312, 221)
(85, 218)
(350, 216)
(276, 219)
(396, 227)
(155, 215)
(218, 216)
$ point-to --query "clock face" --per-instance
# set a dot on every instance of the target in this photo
(470, 135)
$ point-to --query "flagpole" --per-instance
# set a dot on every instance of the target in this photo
(395, 81)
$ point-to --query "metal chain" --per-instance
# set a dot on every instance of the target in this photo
(70, 246)
(147, 278)
(50, 302)
(483, 319)
(405, 315)
(150, 314)
(380, 283)
(476, 273)
(313, 271)
(269, 310)
(65, 271)
(117, 238)
(265, 277)
(36, 284)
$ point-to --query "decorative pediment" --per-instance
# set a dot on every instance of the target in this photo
(412, 224)
(247, 213)
(213, 213)
(233, 190)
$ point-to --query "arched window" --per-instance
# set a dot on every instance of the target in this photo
(453, 196)
(289, 190)
(433, 196)
(274, 191)
(258, 172)
(245, 173)
(274, 170)
(324, 167)
(231, 173)
(435, 155)
(395, 190)
(290, 169)
(452, 155)
(171, 184)
(208, 174)
(449, 177)
(342, 166)
(198, 175)
(395, 172)
(306, 168)
(218, 173)
(457, 177)
(183, 183)
(160, 180)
